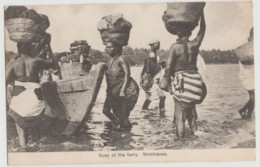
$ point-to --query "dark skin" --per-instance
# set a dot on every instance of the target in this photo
(247, 110)
(155, 47)
(25, 68)
(179, 49)
(183, 56)
(119, 112)
(26, 65)
(121, 66)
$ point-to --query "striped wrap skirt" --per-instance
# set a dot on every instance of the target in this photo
(188, 87)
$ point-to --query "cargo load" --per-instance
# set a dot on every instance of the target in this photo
(25, 25)
(182, 15)
(114, 28)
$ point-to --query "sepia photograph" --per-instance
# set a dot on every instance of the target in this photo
(130, 82)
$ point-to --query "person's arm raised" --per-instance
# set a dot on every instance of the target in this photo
(49, 62)
(201, 33)
(126, 70)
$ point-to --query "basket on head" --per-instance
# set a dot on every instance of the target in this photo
(119, 38)
(182, 14)
(23, 29)
(115, 28)
(80, 47)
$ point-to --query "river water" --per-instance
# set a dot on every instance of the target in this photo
(219, 124)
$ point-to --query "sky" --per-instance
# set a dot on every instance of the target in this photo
(228, 24)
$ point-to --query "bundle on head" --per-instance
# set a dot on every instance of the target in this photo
(80, 45)
(182, 14)
(14, 11)
(78, 48)
(25, 25)
(115, 28)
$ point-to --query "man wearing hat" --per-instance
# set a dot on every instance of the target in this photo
(151, 68)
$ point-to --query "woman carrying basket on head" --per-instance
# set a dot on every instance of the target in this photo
(122, 90)
(182, 78)
(27, 105)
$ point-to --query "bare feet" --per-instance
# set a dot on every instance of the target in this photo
(242, 113)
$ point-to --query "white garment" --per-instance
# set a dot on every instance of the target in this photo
(201, 67)
(26, 104)
(246, 75)
(151, 54)
(156, 91)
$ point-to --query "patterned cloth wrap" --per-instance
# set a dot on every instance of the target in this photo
(187, 86)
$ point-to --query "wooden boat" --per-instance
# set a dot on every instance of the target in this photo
(69, 101)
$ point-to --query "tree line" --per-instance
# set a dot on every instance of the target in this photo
(136, 56)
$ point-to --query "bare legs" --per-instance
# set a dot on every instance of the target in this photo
(192, 120)
(123, 113)
(247, 110)
(107, 110)
(22, 135)
(120, 113)
(181, 113)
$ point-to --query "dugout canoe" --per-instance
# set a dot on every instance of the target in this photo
(69, 101)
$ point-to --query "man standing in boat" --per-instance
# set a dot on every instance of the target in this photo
(187, 86)
(27, 105)
(150, 69)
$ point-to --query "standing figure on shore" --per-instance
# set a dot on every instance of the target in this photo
(152, 67)
(27, 105)
(182, 79)
(122, 90)
(246, 75)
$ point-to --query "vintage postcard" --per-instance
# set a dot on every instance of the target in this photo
(130, 83)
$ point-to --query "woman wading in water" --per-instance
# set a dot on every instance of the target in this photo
(187, 86)
(122, 90)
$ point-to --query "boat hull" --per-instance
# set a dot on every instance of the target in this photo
(70, 101)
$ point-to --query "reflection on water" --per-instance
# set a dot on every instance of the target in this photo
(219, 124)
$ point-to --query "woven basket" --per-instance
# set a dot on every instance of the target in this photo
(186, 14)
(245, 53)
(119, 38)
(169, 27)
(22, 29)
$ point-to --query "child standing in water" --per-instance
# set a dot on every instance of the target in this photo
(122, 90)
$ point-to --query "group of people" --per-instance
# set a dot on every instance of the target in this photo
(178, 75)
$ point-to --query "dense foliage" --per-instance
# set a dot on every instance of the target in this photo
(135, 57)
